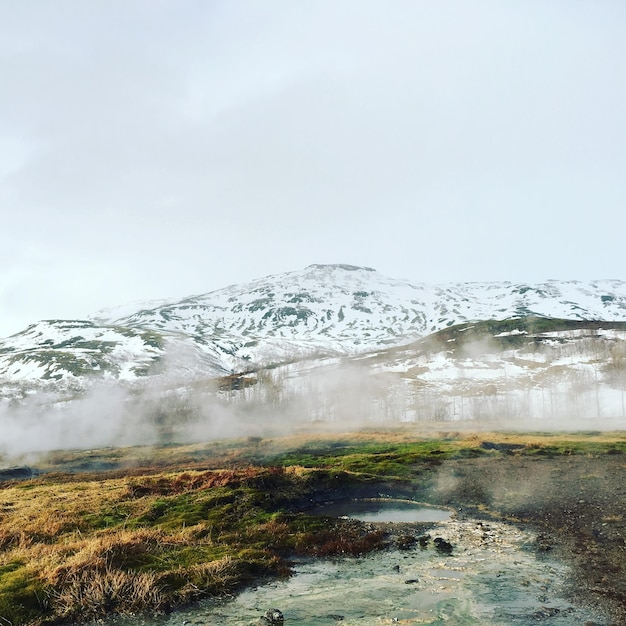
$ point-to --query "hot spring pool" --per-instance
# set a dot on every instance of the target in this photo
(385, 510)
(492, 578)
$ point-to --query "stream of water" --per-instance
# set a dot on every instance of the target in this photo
(491, 578)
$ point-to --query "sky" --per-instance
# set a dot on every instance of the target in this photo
(163, 148)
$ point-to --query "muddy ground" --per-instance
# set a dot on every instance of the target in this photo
(577, 504)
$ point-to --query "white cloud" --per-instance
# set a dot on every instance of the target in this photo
(154, 149)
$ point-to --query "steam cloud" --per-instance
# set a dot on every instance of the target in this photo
(561, 386)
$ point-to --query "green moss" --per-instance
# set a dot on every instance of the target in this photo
(107, 518)
(571, 447)
(175, 512)
(173, 558)
(22, 596)
(226, 509)
(372, 458)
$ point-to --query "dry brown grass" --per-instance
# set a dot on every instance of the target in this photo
(216, 577)
(89, 592)
(90, 576)
(38, 513)
(79, 550)
(106, 549)
(84, 571)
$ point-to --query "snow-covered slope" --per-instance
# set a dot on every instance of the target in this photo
(69, 355)
(54, 349)
(527, 372)
(346, 309)
(323, 310)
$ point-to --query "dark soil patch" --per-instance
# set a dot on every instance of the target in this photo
(576, 503)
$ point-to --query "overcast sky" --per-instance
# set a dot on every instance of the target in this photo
(159, 148)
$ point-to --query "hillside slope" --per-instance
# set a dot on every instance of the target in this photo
(353, 308)
(321, 311)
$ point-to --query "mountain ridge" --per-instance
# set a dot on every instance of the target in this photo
(332, 310)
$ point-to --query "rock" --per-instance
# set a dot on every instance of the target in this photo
(423, 541)
(411, 581)
(406, 542)
(545, 612)
(337, 618)
(544, 544)
(442, 546)
(274, 616)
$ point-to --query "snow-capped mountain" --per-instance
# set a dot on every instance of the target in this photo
(355, 305)
(345, 309)
(323, 310)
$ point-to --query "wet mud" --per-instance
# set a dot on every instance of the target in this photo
(573, 508)
(576, 505)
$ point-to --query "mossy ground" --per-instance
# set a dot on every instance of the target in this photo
(164, 526)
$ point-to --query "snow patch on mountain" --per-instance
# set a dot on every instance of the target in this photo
(349, 309)
(319, 312)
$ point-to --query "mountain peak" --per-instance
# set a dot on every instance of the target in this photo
(340, 266)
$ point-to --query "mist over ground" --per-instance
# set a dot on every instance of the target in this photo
(573, 384)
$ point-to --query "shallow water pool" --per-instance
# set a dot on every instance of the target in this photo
(385, 510)
(492, 578)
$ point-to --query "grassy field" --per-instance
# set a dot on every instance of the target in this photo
(127, 530)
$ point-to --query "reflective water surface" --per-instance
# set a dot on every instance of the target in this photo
(379, 510)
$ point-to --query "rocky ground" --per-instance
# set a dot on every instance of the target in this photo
(577, 504)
